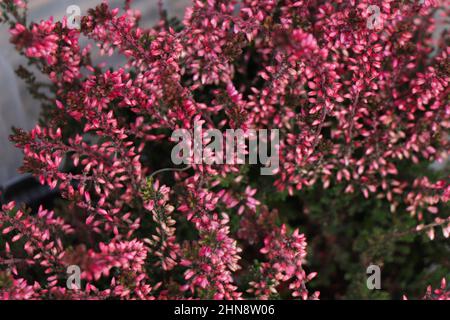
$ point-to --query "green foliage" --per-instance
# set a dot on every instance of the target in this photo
(347, 232)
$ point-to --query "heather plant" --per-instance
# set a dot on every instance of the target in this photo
(362, 112)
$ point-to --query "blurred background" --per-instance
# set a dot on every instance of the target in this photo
(17, 107)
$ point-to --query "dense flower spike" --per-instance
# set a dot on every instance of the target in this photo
(164, 242)
(212, 260)
(352, 103)
(285, 254)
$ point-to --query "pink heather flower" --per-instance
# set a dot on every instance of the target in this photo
(20, 290)
(442, 293)
(285, 254)
(128, 255)
(352, 106)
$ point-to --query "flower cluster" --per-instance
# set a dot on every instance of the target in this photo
(353, 104)
(442, 293)
(285, 254)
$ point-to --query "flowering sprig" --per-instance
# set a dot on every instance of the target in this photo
(285, 254)
(441, 293)
(165, 247)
